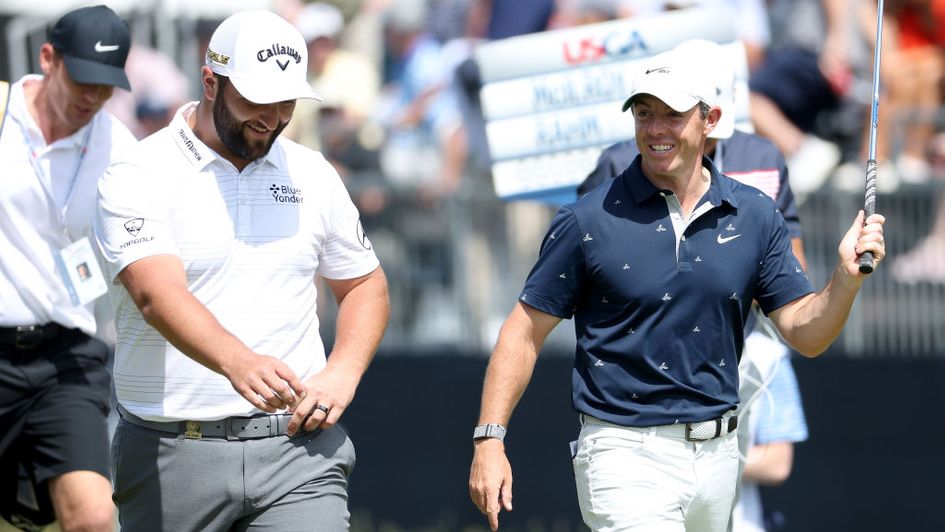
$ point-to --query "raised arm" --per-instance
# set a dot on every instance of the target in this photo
(510, 370)
(811, 323)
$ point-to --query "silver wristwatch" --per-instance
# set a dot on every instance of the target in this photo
(492, 430)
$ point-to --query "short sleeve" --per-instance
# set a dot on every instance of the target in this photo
(556, 280)
(348, 251)
(131, 219)
(781, 279)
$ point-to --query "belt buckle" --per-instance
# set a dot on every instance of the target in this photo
(718, 430)
(689, 433)
(28, 337)
(192, 430)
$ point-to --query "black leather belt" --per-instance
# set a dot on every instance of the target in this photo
(231, 428)
(29, 337)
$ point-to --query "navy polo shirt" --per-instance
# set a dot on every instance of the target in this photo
(659, 320)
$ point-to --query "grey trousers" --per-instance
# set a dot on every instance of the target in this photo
(167, 483)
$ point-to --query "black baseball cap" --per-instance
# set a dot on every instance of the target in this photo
(94, 43)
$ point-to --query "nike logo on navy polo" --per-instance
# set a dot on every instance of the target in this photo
(723, 240)
(102, 48)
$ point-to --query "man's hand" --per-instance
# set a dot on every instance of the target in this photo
(327, 394)
(859, 238)
(264, 381)
(490, 480)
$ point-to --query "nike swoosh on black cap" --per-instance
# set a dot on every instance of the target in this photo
(94, 43)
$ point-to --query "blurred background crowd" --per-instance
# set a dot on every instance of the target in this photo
(402, 123)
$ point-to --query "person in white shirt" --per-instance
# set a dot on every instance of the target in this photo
(214, 230)
(55, 143)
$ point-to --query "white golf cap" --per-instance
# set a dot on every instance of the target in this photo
(676, 80)
(263, 55)
(717, 63)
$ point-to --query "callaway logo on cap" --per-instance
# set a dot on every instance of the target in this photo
(94, 44)
(264, 56)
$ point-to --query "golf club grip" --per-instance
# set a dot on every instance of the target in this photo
(869, 208)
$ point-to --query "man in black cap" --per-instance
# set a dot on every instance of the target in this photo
(55, 143)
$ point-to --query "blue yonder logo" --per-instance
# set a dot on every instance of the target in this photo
(286, 194)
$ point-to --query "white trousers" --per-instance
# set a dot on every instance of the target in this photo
(634, 479)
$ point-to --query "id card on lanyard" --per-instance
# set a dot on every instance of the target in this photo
(77, 265)
(80, 272)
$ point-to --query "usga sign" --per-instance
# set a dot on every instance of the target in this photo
(590, 49)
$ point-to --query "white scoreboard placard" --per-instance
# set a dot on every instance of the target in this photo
(552, 100)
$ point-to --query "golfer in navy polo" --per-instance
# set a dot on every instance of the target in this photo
(659, 274)
(765, 360)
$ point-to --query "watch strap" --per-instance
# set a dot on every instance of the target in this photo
(490, 430)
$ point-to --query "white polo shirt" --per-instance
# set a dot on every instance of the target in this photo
(251, 243)
(47, 199)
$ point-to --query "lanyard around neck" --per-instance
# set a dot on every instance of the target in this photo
(46, 184)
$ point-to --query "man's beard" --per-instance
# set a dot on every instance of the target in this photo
(231, 133)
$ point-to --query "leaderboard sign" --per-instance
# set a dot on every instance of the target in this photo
(552, 100)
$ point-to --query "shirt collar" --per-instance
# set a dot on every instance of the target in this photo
(721, 187)
(18, 111)
(642, 189)
(276, 156)
(194, 150)
(200, 155)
